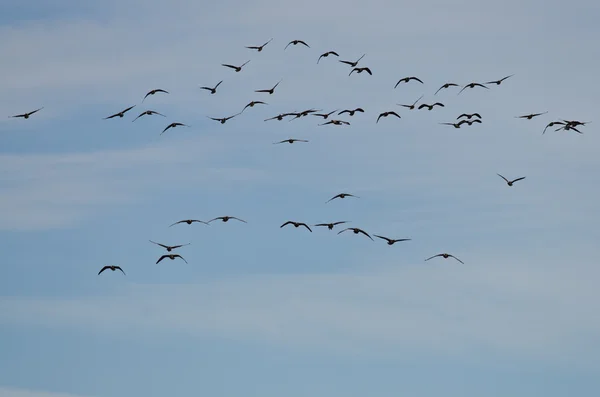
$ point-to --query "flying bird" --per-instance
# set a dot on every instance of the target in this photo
(445, 256)
(353, 64)
(385, 114)
(391, 241)
(260, 47)
(407, 79)
(296, 224)
(147, 113)
(469, 116)
(530, 116)
(356, 231)
(222, 120)
(226, 219)
(498, 82)
(113, 268)
(189, 222)
(120, 114)
(212, 90)
(171, 257)
(447, 85)
(291, 140)
(351, 112)
(551, 124)
(331, 225)
(236, 68)
(280, 116)
(430, 107)
(360, 70)
(169, 248)
(296, 42)
(510, 183)
(251, 104)
(341, 195)
(325, 115)
(271, 90)
(303, 113)
(336, 122)
(325, 55)
(411, 107)
(568, 127)
(472, 85)
(470, 122)
(154, 92)
(26, 115)
(173, 125)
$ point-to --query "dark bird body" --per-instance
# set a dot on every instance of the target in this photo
(391, 241)
(260, 47)
(360, 70)
(173, 125)
(296, 42)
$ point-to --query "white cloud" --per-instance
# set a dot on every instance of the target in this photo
(19, 392)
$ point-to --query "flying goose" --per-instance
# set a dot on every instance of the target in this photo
(110, 267)
(498, 82)
(325, 55)
(171, 257)
(356, 231)
(469, 116)
(445, 256)
(271, 90)
(336, 122)
(391, 241)
(120, 114)
(251, 104)
(226, 219)
(510, 183)
(291, 140)
(296, 224)
(530, 116)
(430, 107)
(360, 70)
(212, 90)
(411, 107)
(260, 47)
(169, 248)
(189, 222)
(341, 195)
(236, 68)
(472, 85)
(353, 64)
(325, 115)
(296, 42)
(447, 85)
(26, 115)
(385, 114)
(351, 112)
(331, 225)
(173, 125)
(222, 120)
(407, 79)
(154, 92)
(147, 113)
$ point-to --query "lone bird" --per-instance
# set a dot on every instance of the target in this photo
(189, 222)
(530, 116)
(325, 55)
(110, 267)
(260, 47)
(169, 248)
(26, 115)
(173, 125)
(213, 90)
(498, 82)
(356, 231)
(120, 114)
(291, 140)
(430, 107)
(353, 64)
(223, 120)
(341, 195)
(270, 91)
(445, 256)
(510, 183)
(391, 241)
(336, 122)
(147, 113)
(472, 85)
(296, 224)
(226, 219)
(407, 79)
(331, 225)
(411, 107)
(171, 257)
(469, 116)
(385, 114)
(236, 68)
(296, 42)
(360, 70)
(445, 86)
(154, 92)
(351, 112)
(251, 104)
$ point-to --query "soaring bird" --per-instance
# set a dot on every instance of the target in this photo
(222, 120)
(280, 116)
(26, 115)
(213, 90)
(226, 219)
(385, 114)
(353, 64)
(356, 231)
(291, 140)
(445, 256)
(296, 42)
(469, 116)
(341, 195)
(260, 47)
(189, 222)
(120, 114)
(169, 248)
(351, 112)
(325, 115)
(391, 241)
(411, 107)
(498, 82)
(173, 125)
(551, 124)
(447, 85)
(472, 85)
(296, 224)
(336, 122)
(236, 68)
(530, 116)
(360, 70)
(568, 127)
(303, 113)
(270, 91)
(110, 267)
(147, 113)
(171, 257)
(430, 107)
(326, 54)
(331, 225)
(251, 104)
(407, 79)
(455, 125)
(154, 92)
(510, 183)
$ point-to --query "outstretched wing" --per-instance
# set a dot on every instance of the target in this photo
(502, 177)
(103, 269)
(452, 256)
(435, 256)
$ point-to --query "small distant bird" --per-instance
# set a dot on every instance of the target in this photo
(173, 125)
(356, 231)
(325, 55)
(296, 42)
(510, 183)
(280, 116)
(472, 85)
(222, 120)
(212, 90)
(169, 248)
(385, 114)
(353, 64)
(291, 140)
(154, 92)
(530, 116)
(236, 68)
(113, 268)
(498, 82)
(331, 225)
(26, 115)
(189, 222)
(226, 219)
(411, 107)
(120, 114)
(251, 104)
(296, 224)
(171, 257)
(260, 47)
(445, 256)
(407, 79)
(341, 195)
(351, 112)
(336, 122)
(568, 127)
(391, 241)
(469, 116)
(430, 107)
(576, 123)
(551, 124)
(147, 113)
(271, 90)
(447, 85)
(325, 115)
(360, 70)
(470, 122)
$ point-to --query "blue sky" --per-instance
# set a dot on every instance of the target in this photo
(264, 311)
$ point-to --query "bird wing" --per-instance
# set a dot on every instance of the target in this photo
(334, 197)
(143, 113)
(452, 256)
(365, 233)
(216, 219)
(352, 71)
(35, 111)
(462, 115)
(161, 258)
(395, 114)
(177, 223)
(179, 256)
(347, 62)
(439, 89)
(418, 79)
(384, 238)
(339, 223)
(127, 110)
(119, 267)
(162, 245)
(438, 103)
(241, 220)
(518, 179)
(288, 45)
(169, 126)
(463, 89)
(423, 106)
(435, 256)
(103, 269)
(306, 226)
(502, 177)
(287, 223)
(301, 42)
(229, 66)
(380, 116)
(218, 84)
(341, 231)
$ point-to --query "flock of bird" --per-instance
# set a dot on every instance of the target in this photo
(464, 118)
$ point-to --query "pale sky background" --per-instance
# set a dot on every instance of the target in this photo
(261, 311)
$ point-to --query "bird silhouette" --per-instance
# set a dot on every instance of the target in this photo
(291, 140)
(296, 42)
(498, 82)
(213, 90)
(469, 116)
(325, 55)
(341, 196)
(189, 222)
(223, 120)
(330, 226)
(121, 114)
(385, 114)
(169, 248)
(407, 79)
(171, 257)
(296, 224)
(26, 115)
(445, 86)
(530, 116)
(173, 125)
(430, 107)
(360, 70)
(154, 92)
(351, 112)
(353, 64)
(260, 47)
(226, 219)
(391, 241)
(147, 113)
(510, 183)
(270, 91)
(236, 68)
(411, 107)
(110, 267)
(472, 85)
(356, 231)
(445, 256)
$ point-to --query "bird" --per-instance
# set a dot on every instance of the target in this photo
(455, 125)
(111, 267)
(212, 90)
(271, 90)
(325, 115)
(568, 127)
(530, 116)
(296, 42)
(325, 55)
(510, 183)
(385, 114)
(407, 79)
(341, 195)
(353, 64)
(26, 115)
(303, 113)
(331, 225)
(447, 85)
(356, 231)
(251, 104)
(351, 112)
(260, 47)
(498, 82)
(120, 114)
(171, 257)
(296, 224)
(391, 241)
(445, 256)
(472, 85)
(469, 116)
(147, 113)
(336, 122)
(551, 124)
(470, 122)
(173, 125)
(226, 219)
(411, 107)
(291, 140)
(236, 68)
(169, 248)
(222, 120)
(360, 70)
(430, 107)
(280, 116)
(189, 222)
(154, 92)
